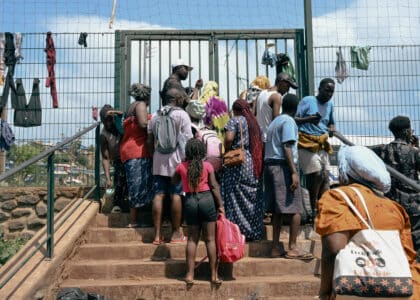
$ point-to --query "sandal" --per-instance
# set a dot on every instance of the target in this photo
(180, 240)
(188, 282)
(296, 254)
(159, 241)
(133, 225)
(217, 282)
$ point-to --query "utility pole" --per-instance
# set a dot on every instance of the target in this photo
(309, 46)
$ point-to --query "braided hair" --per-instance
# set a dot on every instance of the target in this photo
(241, 107)
(195, 152)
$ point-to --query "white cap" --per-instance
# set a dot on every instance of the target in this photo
(180, 62)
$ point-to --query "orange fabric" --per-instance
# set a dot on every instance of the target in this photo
(314, 143)
(334, 215)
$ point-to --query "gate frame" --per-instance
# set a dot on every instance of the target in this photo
(123, 40)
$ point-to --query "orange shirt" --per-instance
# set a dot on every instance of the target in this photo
(334, 215)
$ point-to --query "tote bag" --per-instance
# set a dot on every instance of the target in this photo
(230, 242)
(373, 264)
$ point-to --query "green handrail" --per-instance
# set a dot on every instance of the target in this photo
(49, 153)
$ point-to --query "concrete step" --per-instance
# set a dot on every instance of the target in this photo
(173, 268)
(102, 234)
(296, 287)
(140, 250)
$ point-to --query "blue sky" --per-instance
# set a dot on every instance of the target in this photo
(335, 23)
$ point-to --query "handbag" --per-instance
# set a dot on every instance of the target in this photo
(237, 156)
(373, 263)
(230, 242)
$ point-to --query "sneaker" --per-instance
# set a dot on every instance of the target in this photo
(116, 209)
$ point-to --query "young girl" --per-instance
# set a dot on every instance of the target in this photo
(203, 202)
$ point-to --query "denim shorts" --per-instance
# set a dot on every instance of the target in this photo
(164, 185)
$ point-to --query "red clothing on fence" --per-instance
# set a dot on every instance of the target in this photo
(51, 83)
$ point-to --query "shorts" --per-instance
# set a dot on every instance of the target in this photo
(164, 185)
(277, 180)
(199, 208)
(311, 162)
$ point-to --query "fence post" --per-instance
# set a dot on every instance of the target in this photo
(97, 194)
(50, 207)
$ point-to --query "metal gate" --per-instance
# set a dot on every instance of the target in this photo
(231, 58)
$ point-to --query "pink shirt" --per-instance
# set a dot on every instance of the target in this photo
(203, 185)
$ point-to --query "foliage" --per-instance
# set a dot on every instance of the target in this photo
(8, 248)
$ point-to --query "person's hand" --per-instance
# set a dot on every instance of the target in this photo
(331, 130)
(221, 210)
(295, 182)
(199, 83)
(108, 183)
(414, 141)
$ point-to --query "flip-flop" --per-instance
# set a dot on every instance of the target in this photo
(217, 282)
(187, 281)
(303, 255)
(133, 225)
(159, 241)
(179, 240)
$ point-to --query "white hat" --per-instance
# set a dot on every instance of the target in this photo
(180, 62)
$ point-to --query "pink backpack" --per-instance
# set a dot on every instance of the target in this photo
(230, 242)
(213, 146)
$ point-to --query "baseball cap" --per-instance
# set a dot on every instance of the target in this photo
(283, 76)
(180, 62)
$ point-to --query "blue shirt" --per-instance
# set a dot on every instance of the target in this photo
(310, 106)
(282, 129)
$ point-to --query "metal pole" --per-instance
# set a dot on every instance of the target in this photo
(50, 207)
(97, 194)
(309, 46)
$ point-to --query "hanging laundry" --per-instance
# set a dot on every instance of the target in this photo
(2, 65)
(18, 45)
(269, 58)
(10, 62)
(284, 64)
(51, 59)
(95, 113)
(340, 67)
(7, 137)
(27, 114)
(360, 57)
(82, 39)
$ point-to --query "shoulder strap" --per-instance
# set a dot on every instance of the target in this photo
(354, 209)
(240, 127)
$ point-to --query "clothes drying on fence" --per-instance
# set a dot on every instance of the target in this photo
(7, 137)
(18, 47)
(269, 58)
(284, 64)
(340, 67)
(10, 62)
(2, 65)
(51, 59)
(360, 57)
(83, 39)
(27, 114)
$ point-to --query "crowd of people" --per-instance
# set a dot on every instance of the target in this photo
(164, 155)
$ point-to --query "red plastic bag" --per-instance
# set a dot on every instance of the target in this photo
(230, 242)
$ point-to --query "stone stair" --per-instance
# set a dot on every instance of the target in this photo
(121, 263)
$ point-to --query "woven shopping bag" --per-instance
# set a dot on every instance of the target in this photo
(373, 263)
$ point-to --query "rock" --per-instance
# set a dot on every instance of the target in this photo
(20, 212)
(9, 205)
(35, 223)
(41, 209)
(7, 196)
(16, 225)
(28, 200)
(43, 193)
(60, 203)
(3, 216)
(27, 234)
(39, 295)
(68, 194)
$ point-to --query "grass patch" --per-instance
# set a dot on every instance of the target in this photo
(8, 248)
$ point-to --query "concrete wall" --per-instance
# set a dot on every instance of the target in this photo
(23, 210)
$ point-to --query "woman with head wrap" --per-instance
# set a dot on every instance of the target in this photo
(216, 116)
(134, 154)
(360, 168)
(240, 184)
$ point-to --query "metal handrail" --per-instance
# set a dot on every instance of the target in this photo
(49, 153)
(46, 152)
(401, 177)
